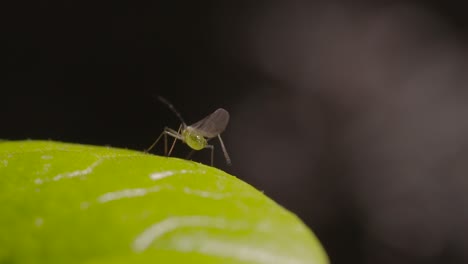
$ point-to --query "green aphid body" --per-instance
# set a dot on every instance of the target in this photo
(193, 139)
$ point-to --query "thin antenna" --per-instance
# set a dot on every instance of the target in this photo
(166, 102)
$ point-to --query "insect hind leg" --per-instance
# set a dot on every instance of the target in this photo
(226, 155)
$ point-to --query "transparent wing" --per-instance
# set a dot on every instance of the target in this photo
(212, 125)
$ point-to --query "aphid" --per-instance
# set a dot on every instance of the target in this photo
(196, 136)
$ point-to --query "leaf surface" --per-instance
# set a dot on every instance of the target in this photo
(70, 203)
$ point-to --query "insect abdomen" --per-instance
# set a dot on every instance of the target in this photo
(193, 139)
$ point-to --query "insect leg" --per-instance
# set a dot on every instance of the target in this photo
(211, 147)
(154, 143)
(226, 155)
(165, 144)
(175, 134)
(212, 153)
(190, 154)
(167, 132)
(175, 139)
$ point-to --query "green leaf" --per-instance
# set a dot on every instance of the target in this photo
(69, 203)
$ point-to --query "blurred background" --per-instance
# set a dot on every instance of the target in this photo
(351, 114)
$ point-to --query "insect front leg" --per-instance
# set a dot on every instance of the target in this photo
(175, 139)
(167, 132)
(155, 142)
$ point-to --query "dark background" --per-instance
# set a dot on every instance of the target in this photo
(352, 115)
